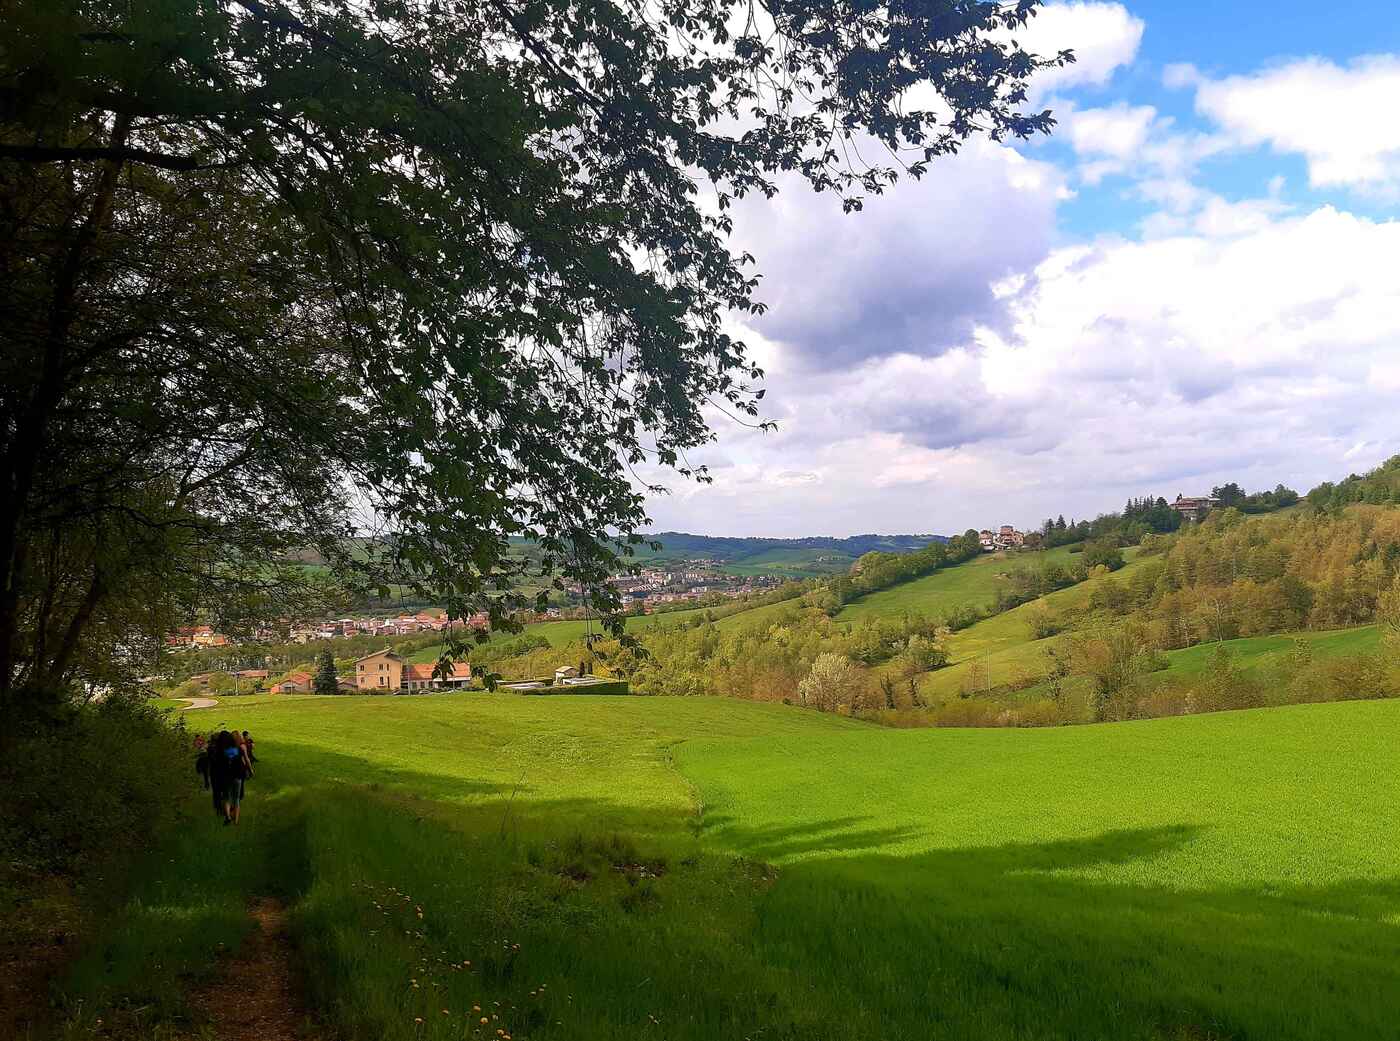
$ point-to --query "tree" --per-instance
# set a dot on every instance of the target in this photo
(326, 681)
(832, 682)
(263, 260)
(268, 267)
(1101, 551)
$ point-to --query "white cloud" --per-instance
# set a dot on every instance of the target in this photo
(1252, 345)
(1118, 131)
(1103, 36)
(917, 269)
(1341, 119)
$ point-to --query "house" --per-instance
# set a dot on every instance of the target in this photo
(420, 677)
(385, 672)
(564, 672)
(380, 672)
(294, 683)
(1007, 537)
(201, 680)
(1193, 508)
(346, 685)
(252, 674)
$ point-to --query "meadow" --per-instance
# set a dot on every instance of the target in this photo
(700, 868)
(974, 582)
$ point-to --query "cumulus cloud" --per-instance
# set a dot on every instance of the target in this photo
(916, 270)
(1103, 36)
(1339, 118)
(1258, 350)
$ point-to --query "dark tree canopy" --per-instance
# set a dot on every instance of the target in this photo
(278, 273)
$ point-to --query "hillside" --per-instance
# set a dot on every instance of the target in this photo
(587, 867)
(795, 558)
(972, 583)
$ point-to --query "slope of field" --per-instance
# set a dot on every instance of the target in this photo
(1263, 652)
(589, 868)
(1002, 646)
(974, 582)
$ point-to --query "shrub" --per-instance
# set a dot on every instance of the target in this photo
(833, 682)
(89, 785)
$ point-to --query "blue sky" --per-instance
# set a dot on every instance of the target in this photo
(1196, 279)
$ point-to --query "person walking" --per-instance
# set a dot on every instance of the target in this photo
(248, 742)
(237, 769)
(218, 771)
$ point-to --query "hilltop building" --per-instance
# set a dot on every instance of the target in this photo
(1193, 508)
(1006, 537)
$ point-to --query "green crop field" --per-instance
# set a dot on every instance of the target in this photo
(973, 582)
(599, 868)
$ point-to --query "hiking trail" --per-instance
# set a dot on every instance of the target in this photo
(254, 994)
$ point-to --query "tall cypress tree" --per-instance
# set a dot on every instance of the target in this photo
(325, 682)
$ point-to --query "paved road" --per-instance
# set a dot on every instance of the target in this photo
(197, 703)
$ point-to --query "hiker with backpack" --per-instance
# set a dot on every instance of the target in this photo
(248, 741)
(236, 769)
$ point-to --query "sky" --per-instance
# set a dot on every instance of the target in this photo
(1194, 280)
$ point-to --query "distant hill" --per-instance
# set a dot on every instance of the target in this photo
(797, 558)
(681, 544)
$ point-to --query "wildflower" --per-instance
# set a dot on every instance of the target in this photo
(417, 1019)
(484, 1021)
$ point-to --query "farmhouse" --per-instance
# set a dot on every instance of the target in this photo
(384, 671)
(295, 683)
(1194, 508)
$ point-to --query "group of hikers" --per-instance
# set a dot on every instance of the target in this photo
(225, 760)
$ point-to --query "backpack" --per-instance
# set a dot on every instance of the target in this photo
(201, 763)
(233, 763)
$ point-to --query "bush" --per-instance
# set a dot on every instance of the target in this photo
(88, 786)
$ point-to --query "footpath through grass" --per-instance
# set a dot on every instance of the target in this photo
(695, 869)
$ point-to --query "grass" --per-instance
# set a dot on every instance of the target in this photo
(974, 582)
(699, 868)
(1002, 644)
(1265, 652)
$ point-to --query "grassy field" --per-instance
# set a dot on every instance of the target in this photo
(1002, 644)
(688, 869)
(1263, 652)
(973, 582)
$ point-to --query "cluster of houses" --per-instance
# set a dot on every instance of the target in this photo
(691, 582)
(1006, 537)
(196, 636)
(433, 620)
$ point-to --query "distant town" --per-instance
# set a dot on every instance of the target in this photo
(691, 583)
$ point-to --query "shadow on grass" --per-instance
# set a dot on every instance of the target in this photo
(847, 939)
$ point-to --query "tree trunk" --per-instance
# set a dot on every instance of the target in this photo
(22, 456)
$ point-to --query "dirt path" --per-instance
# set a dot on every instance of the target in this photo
(254, 995)
(197, 703)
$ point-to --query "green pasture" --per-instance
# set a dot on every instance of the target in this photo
(599, 868)
(1264, 652)
(974, 582)
(1003, 645)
